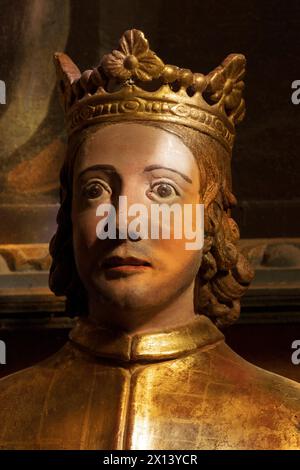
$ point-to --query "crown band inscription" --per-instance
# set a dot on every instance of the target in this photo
(139, 109)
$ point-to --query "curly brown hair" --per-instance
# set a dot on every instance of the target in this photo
(225, 273)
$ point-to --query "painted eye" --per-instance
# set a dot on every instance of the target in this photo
(93, 190)
(164, 190)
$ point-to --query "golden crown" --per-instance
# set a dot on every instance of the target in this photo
(133, 83)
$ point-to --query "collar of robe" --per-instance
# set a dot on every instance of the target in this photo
(158, 345)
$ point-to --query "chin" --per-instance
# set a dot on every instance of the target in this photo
(126, 294)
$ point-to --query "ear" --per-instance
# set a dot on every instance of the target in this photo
(67, 73)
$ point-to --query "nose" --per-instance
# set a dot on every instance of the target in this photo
(126, 206)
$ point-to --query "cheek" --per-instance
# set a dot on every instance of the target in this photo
(84, 229)
(177, 258)
(185, 250)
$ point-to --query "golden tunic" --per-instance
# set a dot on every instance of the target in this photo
(182, 388)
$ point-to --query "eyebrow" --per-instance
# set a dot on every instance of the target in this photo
(157, 167)
(107, 168)
(112, 169)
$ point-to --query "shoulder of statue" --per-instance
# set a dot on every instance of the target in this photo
(18, 384)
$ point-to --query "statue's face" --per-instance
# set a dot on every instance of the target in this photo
(150, 166)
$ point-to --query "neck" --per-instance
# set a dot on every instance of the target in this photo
(178, 312)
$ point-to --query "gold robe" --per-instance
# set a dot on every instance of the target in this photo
(182, 388)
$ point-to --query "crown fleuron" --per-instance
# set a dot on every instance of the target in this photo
(133, 83)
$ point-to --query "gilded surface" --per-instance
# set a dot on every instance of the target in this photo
(197, 394)
(119, 90)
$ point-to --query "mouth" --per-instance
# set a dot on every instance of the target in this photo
(129, 264)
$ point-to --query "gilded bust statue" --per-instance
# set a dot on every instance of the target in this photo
(146, 366)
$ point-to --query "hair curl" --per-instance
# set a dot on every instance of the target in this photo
(224, 274)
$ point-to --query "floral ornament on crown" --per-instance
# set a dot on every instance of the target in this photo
(133, 59)
(226, 86)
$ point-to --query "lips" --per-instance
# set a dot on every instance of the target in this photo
(122, 264)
